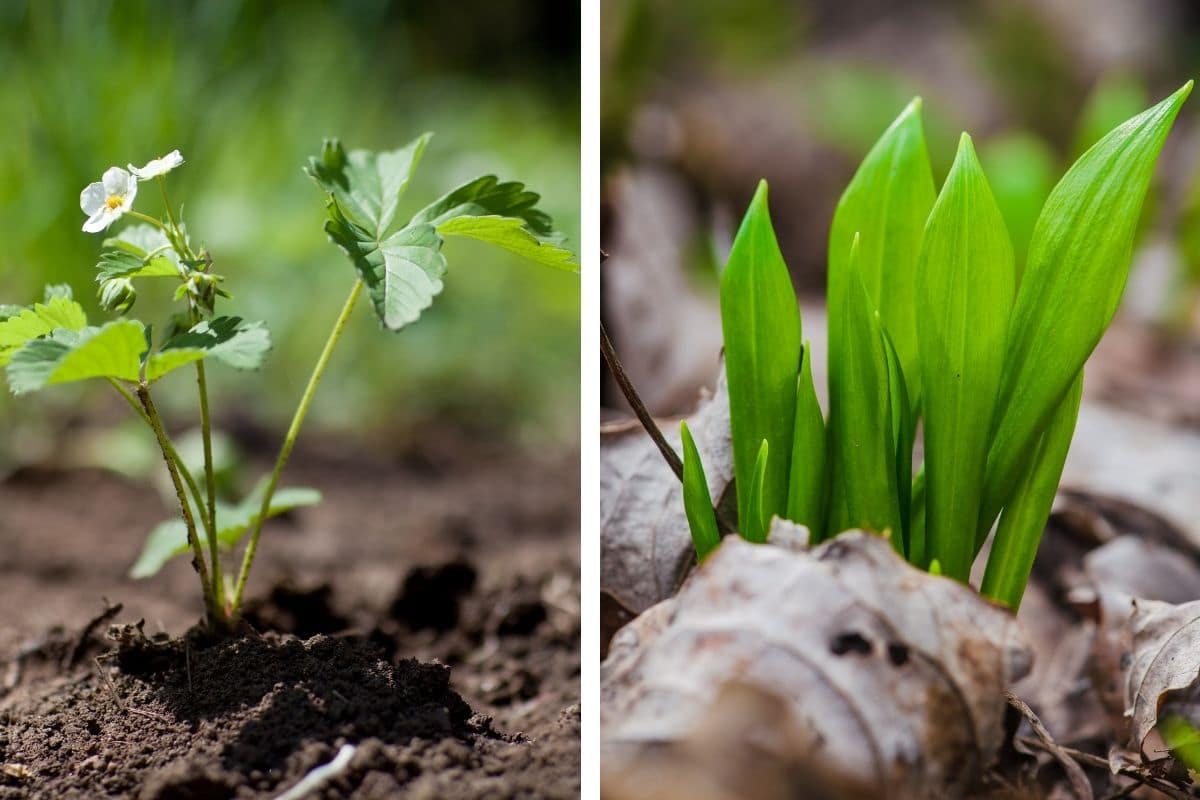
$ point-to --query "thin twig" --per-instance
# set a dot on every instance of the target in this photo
(81, 640)
(635, 402)
(1079, 782)
(1166, 787)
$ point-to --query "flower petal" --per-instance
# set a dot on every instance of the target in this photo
(91, 199)
(117, 181)
(98, 221)
(158, 166)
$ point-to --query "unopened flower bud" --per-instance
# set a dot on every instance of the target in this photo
(117, 295)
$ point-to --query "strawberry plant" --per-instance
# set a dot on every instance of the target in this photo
(398, 264)
(937, 334)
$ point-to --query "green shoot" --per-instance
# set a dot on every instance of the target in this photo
(697, 502)
(930, 326)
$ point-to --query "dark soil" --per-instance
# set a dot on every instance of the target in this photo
(427, 612)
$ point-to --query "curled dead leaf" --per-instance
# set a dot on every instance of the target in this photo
(645, 547)
(1164, 670)
(890, 676)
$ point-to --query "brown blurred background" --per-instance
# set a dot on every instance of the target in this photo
(701, 99)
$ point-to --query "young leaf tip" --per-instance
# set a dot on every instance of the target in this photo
(760, 194)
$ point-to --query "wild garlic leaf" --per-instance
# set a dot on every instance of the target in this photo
(38, 320)
(1024, 517)
(113, 350)
(1078, 262)
(697, 502)
(887, 202)
(760, 319)
(758, 519)
(230, 340)
(169, 538)
(965, 284)
(367, 186)
(806, 479)
(862, 445)
(903, 432)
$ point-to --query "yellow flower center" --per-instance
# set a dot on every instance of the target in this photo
(114, 201)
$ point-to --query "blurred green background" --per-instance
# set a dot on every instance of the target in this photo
(247, 90)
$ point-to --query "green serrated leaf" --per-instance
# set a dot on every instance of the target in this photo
(113, 350)
(119, 263)
(965, 285)
(887, 203)
(230, 340)
(1078, 263)
(862, 443)
(169, 538)
(1024, 518)
(697, 502)
(806, 479)
(39, 320)
(760, 320)
(367, 186)
(54, 291)
(514, 235)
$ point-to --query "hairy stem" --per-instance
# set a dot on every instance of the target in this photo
(290, 440)
(143, 394)
(210, 485)
(193, 488)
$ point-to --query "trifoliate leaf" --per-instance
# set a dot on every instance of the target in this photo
(110, 351)
(403, 273)
(118, 263)
(230, 340)
(511, 234)
(367, 186)
(38, 320)
(403, 269)
(169, 538)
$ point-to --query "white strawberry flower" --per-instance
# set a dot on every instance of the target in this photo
(107, 199)
(158, 166)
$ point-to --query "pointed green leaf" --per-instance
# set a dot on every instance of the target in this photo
(862, 443)
(1024, 519)
(965, 285)
(760, 319)
(697, 502)
(887, 202)
(38, 320)
(903, 431)
(806, 481)
(758, 518)
(113, 350)
(138, 251)
(367, 186)
(512, 234)
(917, 552)
(230, 340)
(1078, 263)
(169, 538)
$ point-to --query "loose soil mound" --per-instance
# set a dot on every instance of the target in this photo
(427, 612)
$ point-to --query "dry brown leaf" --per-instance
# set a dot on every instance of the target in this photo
(645, 545)
(891, 676)
(1165, 665)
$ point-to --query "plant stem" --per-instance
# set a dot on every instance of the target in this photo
(635, 402)
(143, 394)
(193, 489)
(289, 441)
(210, 484)
(147, 218)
